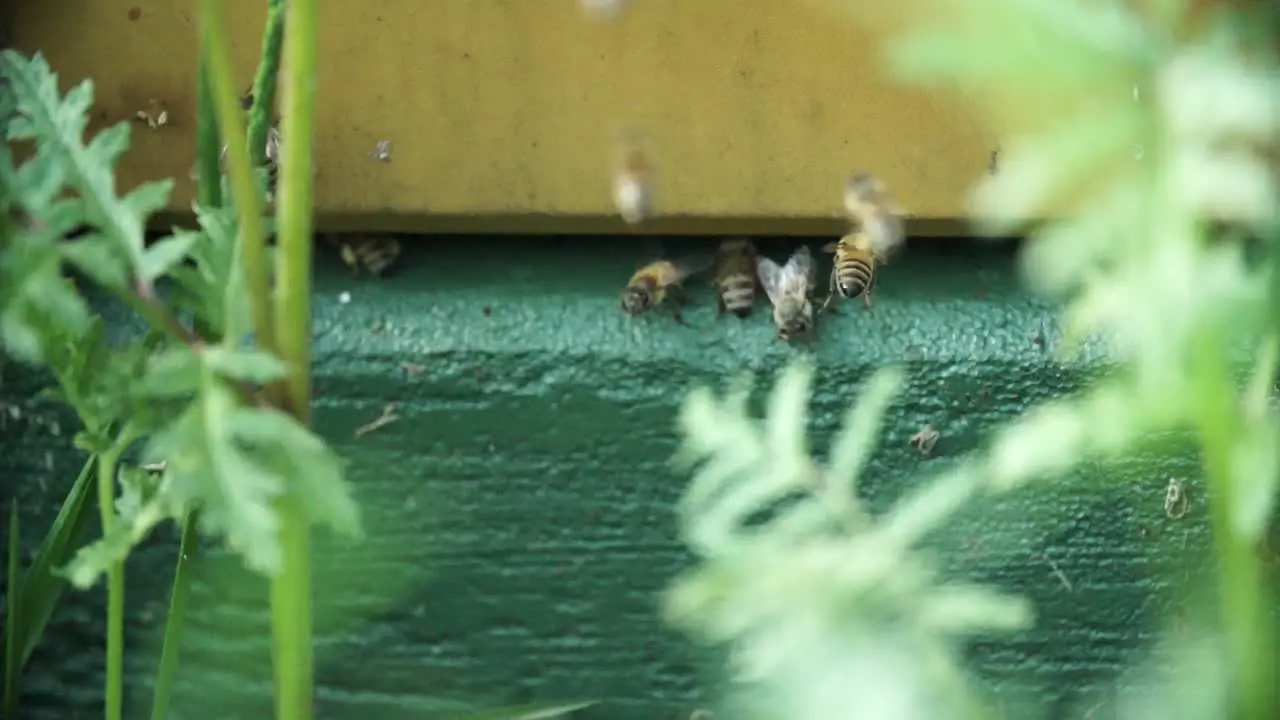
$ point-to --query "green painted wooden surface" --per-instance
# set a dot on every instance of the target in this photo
(520, 510)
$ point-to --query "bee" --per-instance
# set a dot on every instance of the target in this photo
(603, 9)
(878, 231)
(272, 152)
(657, 280)
(788, 287)
(871, 208)
(735, 279)
(633, 181)
(374, 253)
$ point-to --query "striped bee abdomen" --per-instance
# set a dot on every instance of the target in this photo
(737, 294)
(854, 276)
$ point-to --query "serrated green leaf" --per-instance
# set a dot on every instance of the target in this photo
(313, 471)
(99, 258)
(173, 372)
(34, 298)
(94, 559)
(160, 258)
(857, 439)
(208, 469)
(111, 143)
(149, 197)
(57, 125)
(213, 289)
(91, 442)
(248, 364)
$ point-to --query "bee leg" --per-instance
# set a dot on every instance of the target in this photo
(831, 295)
(676, 314)
(678, 300)
(866, 299)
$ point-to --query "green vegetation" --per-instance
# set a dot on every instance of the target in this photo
(832, 612)
(203, 425)
(828, 610)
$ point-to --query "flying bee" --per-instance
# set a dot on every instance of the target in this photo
(374, 253)
(872, 209)
(735, 279)
(272, 152)
(877, 233)
(633, 180)
(788, 287)
(654, 282)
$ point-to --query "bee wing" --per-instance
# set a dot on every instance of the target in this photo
(799, 272)
(885, 235)
(770, 274)
(692, 265)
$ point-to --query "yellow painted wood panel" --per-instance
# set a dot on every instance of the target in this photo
(506, 109)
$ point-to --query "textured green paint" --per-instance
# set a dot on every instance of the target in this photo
(520, 510)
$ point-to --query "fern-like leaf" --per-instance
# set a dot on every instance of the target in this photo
(57, 125)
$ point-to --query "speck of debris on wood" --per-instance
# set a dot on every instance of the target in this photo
(387, 417)
(1057, 571)
(413, 368)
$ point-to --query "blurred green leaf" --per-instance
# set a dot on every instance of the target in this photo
(210, 470)
(532, 711)
(852, 448)
(314, 470)
(246, 364)
(162, 256)
(173, 372)
(213, 287)
(95, 255)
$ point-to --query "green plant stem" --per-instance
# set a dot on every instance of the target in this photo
(174, 622)
(291, 589)
(1245, 616)
(264, 84)
(115, 579)
(208, 142)
(217, 50)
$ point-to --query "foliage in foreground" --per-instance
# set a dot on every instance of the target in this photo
(831, 610)
(184, 425)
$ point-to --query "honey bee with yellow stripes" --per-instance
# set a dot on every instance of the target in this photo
(735, 278)
(659, 280)
(878, 232)
(375, 254)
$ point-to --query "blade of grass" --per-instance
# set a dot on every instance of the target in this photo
(208, 161)
(532, 711)
(173, 625)
(264, 84)
(41, 587)
(291, 589)
(208, 142)
(13, 610)
(217, 52)
(1246, 619)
